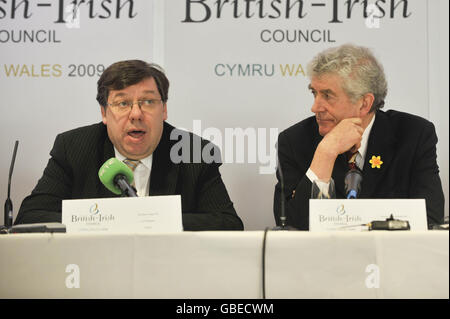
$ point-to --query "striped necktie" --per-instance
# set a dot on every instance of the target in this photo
(132, 164)
(355, 161)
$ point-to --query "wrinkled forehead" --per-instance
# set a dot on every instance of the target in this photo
(329, 81)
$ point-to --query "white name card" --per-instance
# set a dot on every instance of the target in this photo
(123, 215)
(350, 214)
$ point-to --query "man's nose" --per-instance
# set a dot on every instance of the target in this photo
(317, 106)
(136, 112)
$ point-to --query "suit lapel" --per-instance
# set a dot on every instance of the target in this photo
(339, 170)
(108, 152)
(164, 174)
(105, 152)
(381, 143)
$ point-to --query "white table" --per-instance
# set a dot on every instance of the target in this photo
(226, 265)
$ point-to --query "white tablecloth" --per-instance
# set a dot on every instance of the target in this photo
(226, 265)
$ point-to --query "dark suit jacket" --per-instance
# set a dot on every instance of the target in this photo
(406, 144)
(77, 155)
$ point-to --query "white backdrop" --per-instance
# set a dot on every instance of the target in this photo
(208, 94)
(37, 105)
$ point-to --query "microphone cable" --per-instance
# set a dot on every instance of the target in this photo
(264, 263)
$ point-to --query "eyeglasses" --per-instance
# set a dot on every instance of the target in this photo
(147, 105)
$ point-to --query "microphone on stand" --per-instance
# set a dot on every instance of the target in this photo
(283, 225)
(8, 228)
(283, 217)
(353, 181)
(8, 217)
(353, 178)
(117, 177)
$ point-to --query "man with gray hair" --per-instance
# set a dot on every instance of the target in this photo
(394, 151)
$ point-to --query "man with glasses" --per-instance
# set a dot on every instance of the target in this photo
(133, 103)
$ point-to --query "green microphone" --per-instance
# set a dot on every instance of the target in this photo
(117, 177)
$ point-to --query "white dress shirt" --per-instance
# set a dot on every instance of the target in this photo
(141, 173)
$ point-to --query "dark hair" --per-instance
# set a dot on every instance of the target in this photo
(125, 73)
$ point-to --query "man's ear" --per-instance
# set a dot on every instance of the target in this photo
(103, 111)
(367, 102)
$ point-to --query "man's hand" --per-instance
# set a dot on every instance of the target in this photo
(346, 136)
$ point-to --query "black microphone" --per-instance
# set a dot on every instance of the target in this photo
(8, 217)
(283, 217)
(122, 182)
(353, 180)
(117, 177)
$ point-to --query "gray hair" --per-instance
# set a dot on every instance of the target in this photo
(359, 70)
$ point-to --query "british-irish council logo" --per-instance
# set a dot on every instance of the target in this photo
(94, 209)
(340, 210)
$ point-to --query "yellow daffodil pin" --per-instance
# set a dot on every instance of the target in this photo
(376, 161)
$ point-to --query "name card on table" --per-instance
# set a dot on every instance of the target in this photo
(351, 214)
(123, 215)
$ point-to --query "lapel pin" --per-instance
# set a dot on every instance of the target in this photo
(376, 161)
